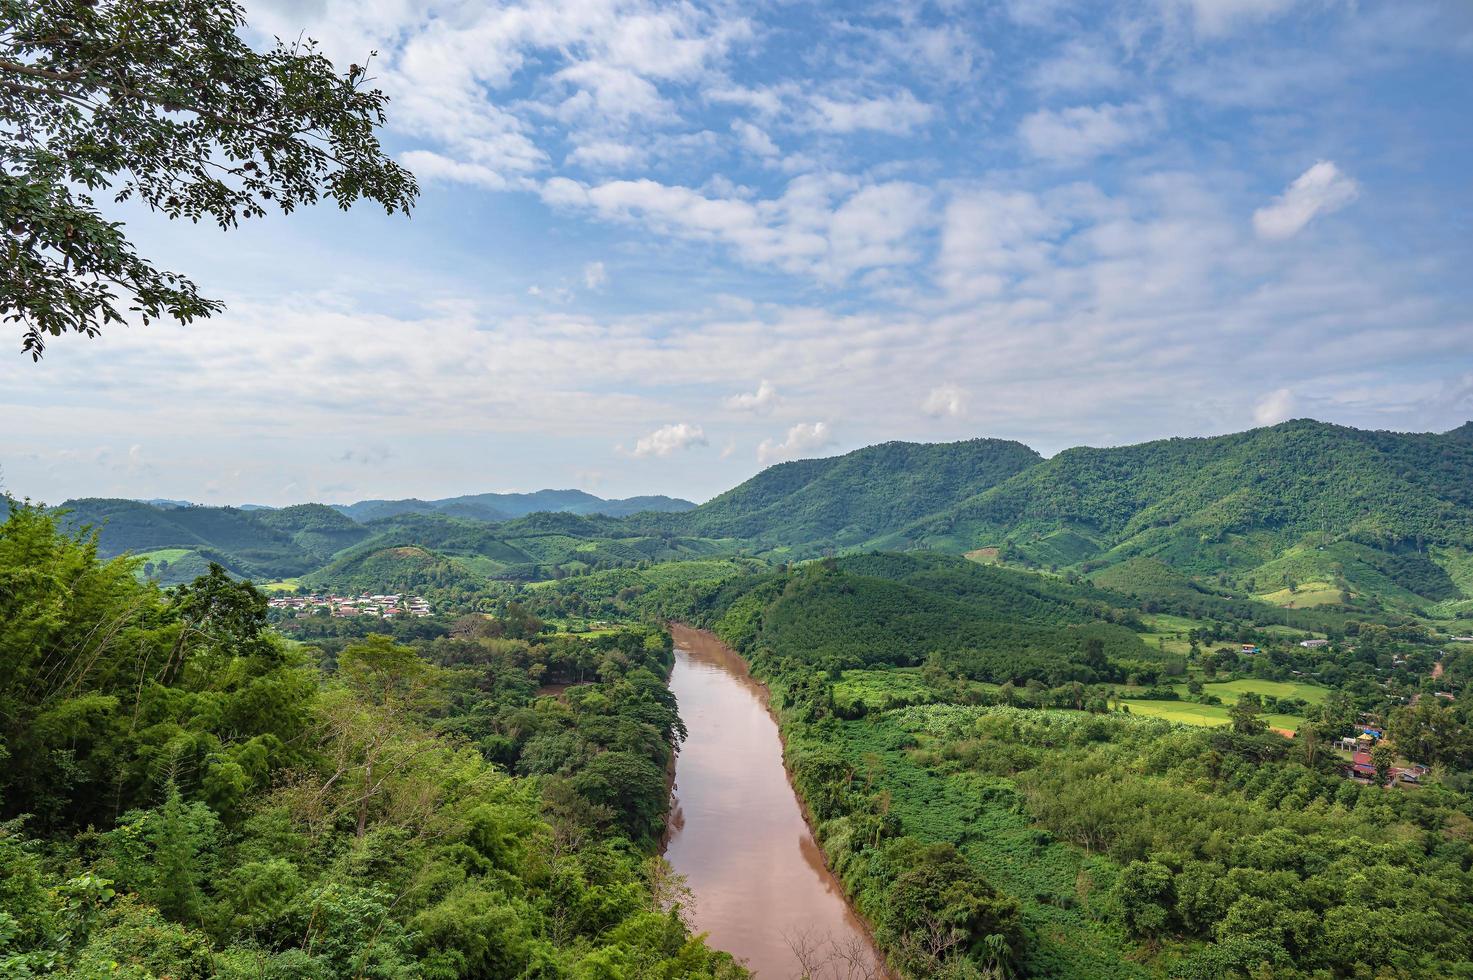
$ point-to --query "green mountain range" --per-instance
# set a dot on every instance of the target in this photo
(1302, 514)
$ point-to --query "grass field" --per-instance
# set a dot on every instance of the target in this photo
(1307, 596)
(1230, 690)
(170, 555)
(1168, 633)
(1205, 715)
(577, 629)
(280, 585)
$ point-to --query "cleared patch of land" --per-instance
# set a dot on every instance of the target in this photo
(170, 555)
(1204, 715)
(1306, 596)
(1230, 691)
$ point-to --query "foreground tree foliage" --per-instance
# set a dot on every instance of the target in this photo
(184, 793)
(160, 101)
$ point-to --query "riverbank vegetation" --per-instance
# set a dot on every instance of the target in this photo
(185, 793)
(1089, 839)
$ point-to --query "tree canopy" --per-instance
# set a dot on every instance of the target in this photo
(163, 102)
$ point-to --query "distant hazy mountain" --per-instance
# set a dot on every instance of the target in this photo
(166, 503)
(505, 506)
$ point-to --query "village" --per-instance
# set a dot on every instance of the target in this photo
(383, 606)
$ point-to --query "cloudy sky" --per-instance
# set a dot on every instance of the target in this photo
(661, 245)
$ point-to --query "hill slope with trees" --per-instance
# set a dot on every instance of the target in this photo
(1375, 503)
(847, 500)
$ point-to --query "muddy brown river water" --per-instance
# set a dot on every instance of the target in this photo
(761, 889)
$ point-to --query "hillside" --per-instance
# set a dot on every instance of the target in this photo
(845, 501)
(433, 551)
(988, 624)
(257, 543)
(178, 540)
(1361, 508)
(1303, 516)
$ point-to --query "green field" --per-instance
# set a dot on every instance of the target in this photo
(281, 585)
(1229, 691)
(1306, 596)
(170, 555)
(1169, 633)
(1206, 715)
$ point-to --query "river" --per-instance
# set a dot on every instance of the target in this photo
(761, 889)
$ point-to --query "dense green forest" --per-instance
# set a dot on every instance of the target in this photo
(186, 793)
(1300, 516)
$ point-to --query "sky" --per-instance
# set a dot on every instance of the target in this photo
(663, 245)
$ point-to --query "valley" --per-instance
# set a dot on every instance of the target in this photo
(951, 717)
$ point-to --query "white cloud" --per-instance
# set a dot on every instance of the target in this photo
(760, 401)
(595, 276)
(1322, 189)
(945, 401)
(825, 225)
(991, 238)
(1217, 17)
(765, 100)
(1079, 66)
(1081, 133)
(754, 138)
(667, 439)
(606, 154)
(803, 438)
(430, 166)
(897, 114)
(1274, 407)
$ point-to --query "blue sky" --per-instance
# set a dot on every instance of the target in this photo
(662, 245)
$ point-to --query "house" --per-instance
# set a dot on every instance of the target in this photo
(1314, 644)
(1249, 648)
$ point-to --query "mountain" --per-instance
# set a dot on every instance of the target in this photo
(1299, 515)
(506, 506)
(846, 501)
(1267, 509)
(281, 542)
(264, 544)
